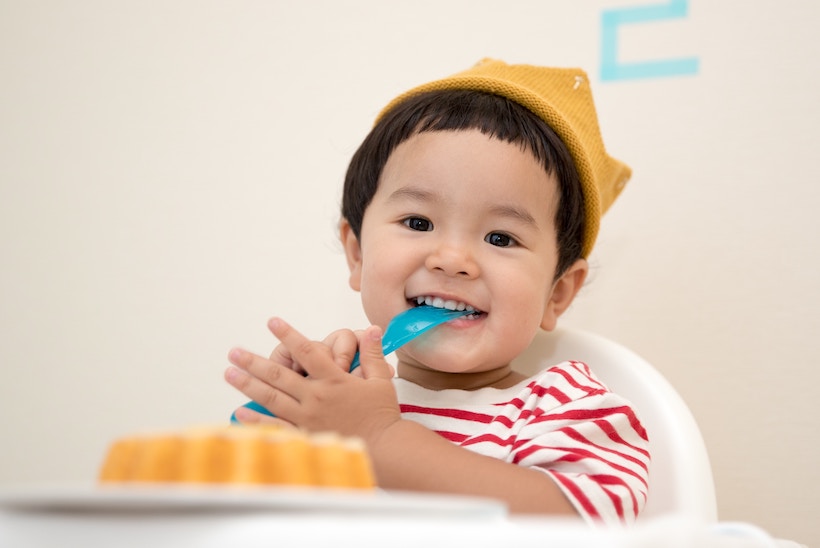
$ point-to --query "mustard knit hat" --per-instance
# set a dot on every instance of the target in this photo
(562, 98)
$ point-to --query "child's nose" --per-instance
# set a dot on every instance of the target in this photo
(453, 260)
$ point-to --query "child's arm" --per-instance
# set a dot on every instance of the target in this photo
(409, 456)
(405, 454)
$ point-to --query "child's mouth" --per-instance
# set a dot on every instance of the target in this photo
(439, 302)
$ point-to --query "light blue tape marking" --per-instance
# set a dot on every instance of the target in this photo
(611, 69)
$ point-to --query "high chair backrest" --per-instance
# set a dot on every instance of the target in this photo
(680, 476)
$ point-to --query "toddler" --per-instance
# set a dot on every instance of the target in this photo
(481, 191)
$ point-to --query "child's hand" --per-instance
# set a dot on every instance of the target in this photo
(329, 398)
(343, 344)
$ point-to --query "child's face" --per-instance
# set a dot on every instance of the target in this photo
(462, 217)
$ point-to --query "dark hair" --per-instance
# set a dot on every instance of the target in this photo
(493, 115)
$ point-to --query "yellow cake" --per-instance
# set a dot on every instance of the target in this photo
(249, 455)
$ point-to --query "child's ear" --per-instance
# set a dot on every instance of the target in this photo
(353, 252)
(563, 292)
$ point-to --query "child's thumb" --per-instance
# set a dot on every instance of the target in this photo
(372, 356)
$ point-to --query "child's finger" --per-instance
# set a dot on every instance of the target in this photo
(248, 416)
(279, 389)
(278, 376)
(371, 355)
(343, 345)
(314, 357)
(278, 401)
(281, 355)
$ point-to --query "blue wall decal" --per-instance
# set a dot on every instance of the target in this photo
(612, 19)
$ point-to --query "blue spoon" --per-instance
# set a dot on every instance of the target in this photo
(402, 329)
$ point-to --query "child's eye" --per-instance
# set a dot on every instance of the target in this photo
(418, 223)
(500, 239)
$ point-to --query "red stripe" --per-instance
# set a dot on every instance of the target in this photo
(613, 434)
(577, 454)
(577, 493)
(454, 437)
(595, 387)
(481, 418)
(525, 413)
(584, 368)
(616, 502)
(604, 479)
(595, 414)
(572, 433)
(460, 414)
(551, 391)
(539, 391)
(492, 438)
(518, 403)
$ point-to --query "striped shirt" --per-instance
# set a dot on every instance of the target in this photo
(563, 422)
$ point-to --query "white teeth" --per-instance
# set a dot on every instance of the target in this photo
(449, 304)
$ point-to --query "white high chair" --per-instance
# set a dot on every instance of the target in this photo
(680, 476)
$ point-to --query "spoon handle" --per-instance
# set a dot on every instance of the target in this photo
(408, 325)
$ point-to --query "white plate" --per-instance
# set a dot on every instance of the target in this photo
(165, 498)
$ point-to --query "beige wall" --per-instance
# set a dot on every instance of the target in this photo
(170, 173)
